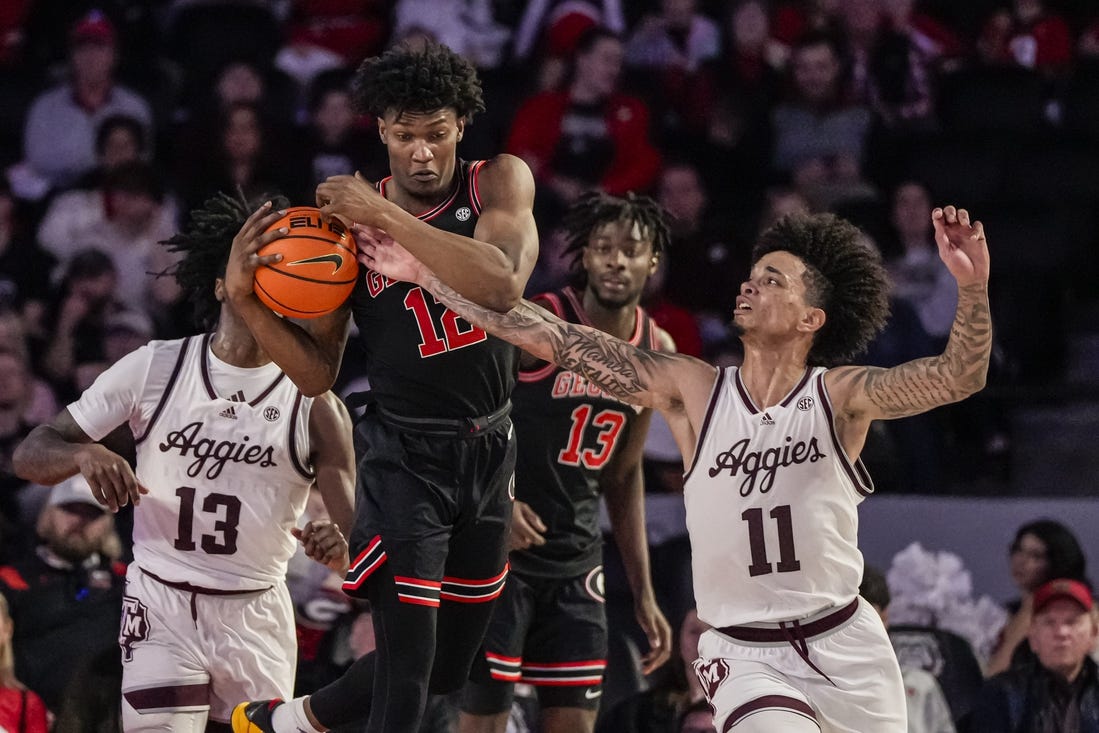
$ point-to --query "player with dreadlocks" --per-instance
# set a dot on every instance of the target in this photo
(436, 446)
(576, 442)
(227, 450)
(771, 451)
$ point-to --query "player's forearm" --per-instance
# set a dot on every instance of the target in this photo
(311, 366)
(615, 366)
(45, 458)
(626, 509)
(961, 370)
(969, 348)
(478, 270)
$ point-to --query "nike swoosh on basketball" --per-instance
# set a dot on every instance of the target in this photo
(335, 258)
(592, 694)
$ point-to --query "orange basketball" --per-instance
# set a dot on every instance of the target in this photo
(318, 268)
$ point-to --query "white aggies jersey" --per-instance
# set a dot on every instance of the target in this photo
(772, 507)
(227, 478)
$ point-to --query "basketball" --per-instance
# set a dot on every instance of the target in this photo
(318, 267)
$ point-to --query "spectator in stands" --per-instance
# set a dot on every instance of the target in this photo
(818, 135)
(1087, 48)
(87, 296)
(781, 201)
(659, 708)
(1042, 550)
(889, 73)
(123, 331)
(335, 142)
(932, 38)
(1026, 35)
(928, 711)
(739, 90)
(667, 51)
(238, 154)
(41, 403)
(125, 218)
(59, 136)
(21, 710)
(119, 139)
(467, 27)
(677, 39)
(919, 276)
(15, 394)
(1060, 692)
(66, 596)
(549, 30)
(589, 135)
(24, 267)
(708, 267)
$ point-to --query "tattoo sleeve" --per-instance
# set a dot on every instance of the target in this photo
(620, 369)
(923, 384)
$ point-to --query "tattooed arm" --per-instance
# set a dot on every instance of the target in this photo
(862, 394)
(636, 376)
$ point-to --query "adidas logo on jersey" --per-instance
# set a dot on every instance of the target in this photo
(229, 412)
(766, 420)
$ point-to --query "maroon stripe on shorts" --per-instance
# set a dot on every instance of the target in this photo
(769, 702)
(777, 635)
(168, 697)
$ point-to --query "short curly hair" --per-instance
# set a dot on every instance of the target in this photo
(417, 80)
(844, 277)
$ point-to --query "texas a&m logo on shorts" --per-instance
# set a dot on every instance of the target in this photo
(135, 626)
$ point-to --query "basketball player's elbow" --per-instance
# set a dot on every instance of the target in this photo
(314, 382)
(502, 296)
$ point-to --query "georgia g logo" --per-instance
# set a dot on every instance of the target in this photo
(135, 626)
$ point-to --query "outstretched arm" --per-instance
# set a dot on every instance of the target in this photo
(638, 376)
(866, 393)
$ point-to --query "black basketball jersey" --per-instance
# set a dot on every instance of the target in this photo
(567, 429)
(422, 360)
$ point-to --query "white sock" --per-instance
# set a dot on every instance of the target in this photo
(290, 717)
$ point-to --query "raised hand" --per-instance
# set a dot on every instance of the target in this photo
(110, 477)
(324, 543)
(352, 200)
(240, 270)
(962, 245)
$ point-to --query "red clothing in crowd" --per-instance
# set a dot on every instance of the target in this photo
(635, 165)
(15, 718)
(1045, 43)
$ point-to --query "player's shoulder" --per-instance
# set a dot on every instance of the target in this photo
(503, 172)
